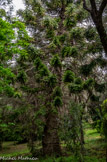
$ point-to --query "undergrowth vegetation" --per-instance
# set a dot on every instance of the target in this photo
(94, 149)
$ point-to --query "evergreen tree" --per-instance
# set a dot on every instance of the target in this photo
(59, 53)
(59, 64)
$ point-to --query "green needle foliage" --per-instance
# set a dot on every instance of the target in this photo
(68, 77)
(56, 61)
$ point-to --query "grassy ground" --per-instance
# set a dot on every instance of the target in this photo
(94, 146)
(11, 149)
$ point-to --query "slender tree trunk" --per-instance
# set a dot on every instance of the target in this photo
(31, 145)
(81, 126)
(50, 142)
(106, 149)
(32, 137)
(106, 154)
(1, 141)
(82, 137)
(0, 145)
(82, 133)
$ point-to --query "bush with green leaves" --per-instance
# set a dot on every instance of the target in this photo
(104, 120)
(71, 129)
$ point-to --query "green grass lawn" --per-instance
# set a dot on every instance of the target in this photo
(94, 144)
(94, 149)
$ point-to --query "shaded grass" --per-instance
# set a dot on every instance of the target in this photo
(70, 159)
(10, 149)
(94, 144)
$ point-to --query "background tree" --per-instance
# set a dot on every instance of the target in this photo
(9, 47)
(104, 122)
(96, 12)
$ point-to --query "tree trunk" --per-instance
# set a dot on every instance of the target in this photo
(97, 19)
(0, 145)
(82, 134)
(50, 142)
(82, 137)
(101, 31)
(106, 149)
(106, 154)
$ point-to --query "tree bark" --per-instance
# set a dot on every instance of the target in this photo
(106, 149)
(101, 31)
(82, 133)
(0, 145)
(1, 139)
(97, 19)
(50, 142)
(82, 141)
(106, 153)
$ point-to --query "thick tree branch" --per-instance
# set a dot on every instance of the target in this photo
(85, 6)
(102, 7)
(93, 6)
(97, 19)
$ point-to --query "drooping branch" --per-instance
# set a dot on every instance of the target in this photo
(102, 7)
(85, 6)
